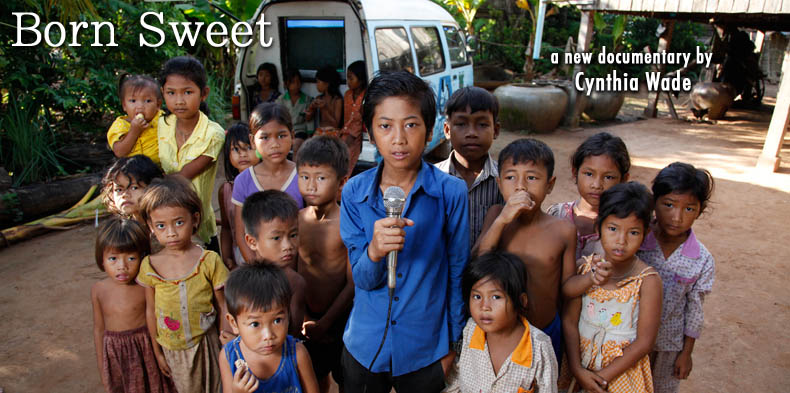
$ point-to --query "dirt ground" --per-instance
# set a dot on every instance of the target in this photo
(47, 343)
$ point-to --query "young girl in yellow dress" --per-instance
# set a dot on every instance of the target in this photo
(611, 328)
(184, 285)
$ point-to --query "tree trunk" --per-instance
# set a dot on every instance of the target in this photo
(94, 155)
(39, 200)
(529, 62)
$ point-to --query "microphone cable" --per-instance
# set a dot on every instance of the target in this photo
(383, 338)
(394, 199)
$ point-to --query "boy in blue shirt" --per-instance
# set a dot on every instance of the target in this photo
(432, 241)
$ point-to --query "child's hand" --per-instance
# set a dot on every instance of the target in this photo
(590, 381)
(518, 203)
(388, 235)
(138, 123)
(447, 361)
(162, 362)
(683, 365)
(244, 381)
(601, 270)
(313, 330)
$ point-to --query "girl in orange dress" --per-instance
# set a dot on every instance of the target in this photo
(611, 329)
(357, 80)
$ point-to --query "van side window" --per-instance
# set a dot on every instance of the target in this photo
(430, 55)
(394, 50)
(456, 46)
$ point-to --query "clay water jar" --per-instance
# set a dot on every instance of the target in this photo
(604, 105)
(530, 107)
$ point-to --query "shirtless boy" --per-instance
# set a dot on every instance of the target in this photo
(322, 166)
(270, 224)
(546, 245)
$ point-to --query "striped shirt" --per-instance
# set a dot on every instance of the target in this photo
(483, 194)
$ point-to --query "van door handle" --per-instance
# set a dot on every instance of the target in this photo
(455, 76)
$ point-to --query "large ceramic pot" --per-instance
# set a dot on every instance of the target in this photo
(604, 105)
(712, 99)
(492, 76)
(530, 107)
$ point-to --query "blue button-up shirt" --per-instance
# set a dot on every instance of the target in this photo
(428, 308)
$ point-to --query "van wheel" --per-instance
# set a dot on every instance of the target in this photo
(442, 151)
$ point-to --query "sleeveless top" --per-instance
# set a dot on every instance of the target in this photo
(607, 325)
(246, 184)
(284, 380)
(585, 244)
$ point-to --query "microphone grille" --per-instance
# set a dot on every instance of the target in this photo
(394, 198)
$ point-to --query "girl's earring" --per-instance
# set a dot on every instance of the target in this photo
(258, 154)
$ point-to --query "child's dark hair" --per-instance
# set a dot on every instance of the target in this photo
(191, 69)
(123, 235)
(257, 286)
(138, 168)
(265, 206)
(268, 111)
(324, 150)
(236, 134)
(170, 191)
(505, 269)
(528, 150)
(332, 78)
(625, 199)
(130, 82)
(684, 178)
(472, 97)
(399, 84)
(272, 70)
(360, 71)
(290, 74)
(600, 144)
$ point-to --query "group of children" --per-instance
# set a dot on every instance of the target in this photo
(492, 293)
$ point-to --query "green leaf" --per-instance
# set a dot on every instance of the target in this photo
(249, 9)
(598, 22)
(619, 28)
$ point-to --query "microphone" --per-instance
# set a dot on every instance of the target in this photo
(394, 199)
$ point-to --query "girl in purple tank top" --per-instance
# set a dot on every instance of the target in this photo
(271, 133)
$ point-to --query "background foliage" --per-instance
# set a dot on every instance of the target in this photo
(70, 93)
(504, 32)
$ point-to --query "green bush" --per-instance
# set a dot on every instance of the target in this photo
(504, 36)
(28, 144)
(75, 88)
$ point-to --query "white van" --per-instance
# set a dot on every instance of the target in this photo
(415, 35)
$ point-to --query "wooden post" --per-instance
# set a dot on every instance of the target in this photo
(759, 40)
(663, 45)
(578, 100)
(769, 158)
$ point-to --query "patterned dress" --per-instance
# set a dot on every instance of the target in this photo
(607, 325)
(687, 276)
(352, 116)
